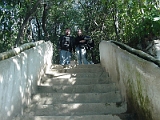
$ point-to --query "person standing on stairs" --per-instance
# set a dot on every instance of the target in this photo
(80, 44)
(66, 47)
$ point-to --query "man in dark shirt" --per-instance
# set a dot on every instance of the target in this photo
(80, 44)
(66, 46)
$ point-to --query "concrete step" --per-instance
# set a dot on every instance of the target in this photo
(84, 70)
(78, 70)
(74, 81)
(56, 75)
(51, 74)
(93, 88)
(76, 92)
(74, 109)
(89, 66)
(52, 98)
(86, 117)
(91, 75)
(57, 66)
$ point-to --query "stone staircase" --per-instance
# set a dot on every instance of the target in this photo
(83, 92)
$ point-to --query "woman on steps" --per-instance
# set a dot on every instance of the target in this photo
(80, 44)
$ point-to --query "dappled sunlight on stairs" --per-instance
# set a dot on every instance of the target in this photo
(83, 92)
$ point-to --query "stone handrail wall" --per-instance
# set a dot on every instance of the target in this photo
(137, 75)
(20, 71)
(18, 50)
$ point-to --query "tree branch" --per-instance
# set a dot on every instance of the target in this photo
(28, 15)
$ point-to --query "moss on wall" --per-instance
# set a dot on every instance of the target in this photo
(137, 100)
(134, 78)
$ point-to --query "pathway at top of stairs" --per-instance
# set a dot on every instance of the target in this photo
(83, 92)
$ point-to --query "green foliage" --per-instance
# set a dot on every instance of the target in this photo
(126, 21)
(132, 21)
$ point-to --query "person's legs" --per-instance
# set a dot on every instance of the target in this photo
(68, 58)
(83, 55)
(60, 57)
(63, 57)
(92, 57)
(78, 52)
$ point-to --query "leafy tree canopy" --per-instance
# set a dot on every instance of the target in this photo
(127, 21)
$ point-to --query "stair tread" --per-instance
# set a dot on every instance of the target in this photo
(80, 117)
(78, 109)
(89, 66)
(74, 81)
(78, 88)
(97, 74)
(81, 74)
(86, 117)
(51, 98)
(82, 70)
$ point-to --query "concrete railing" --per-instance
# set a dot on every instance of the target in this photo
(137, 75)
(20, 74)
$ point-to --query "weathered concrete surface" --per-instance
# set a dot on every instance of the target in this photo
(156, 48)
(68, 101)
(138, 79)
(19, 76)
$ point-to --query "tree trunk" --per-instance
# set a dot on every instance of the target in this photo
(46, 8)
(116, 22)
(39, 29)
(28, 15)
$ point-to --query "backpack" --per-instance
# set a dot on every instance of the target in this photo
(90, 42)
